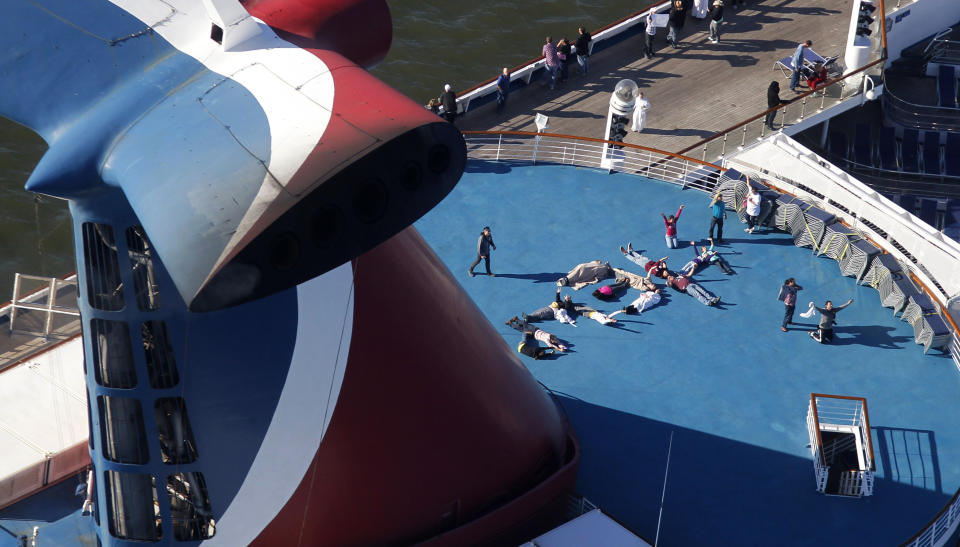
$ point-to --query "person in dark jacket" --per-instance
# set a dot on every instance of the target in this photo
(716, 16)
(773, 100)
(449, 102)
(483, 251)
(583, 49)
(676, 17)
(828, 316)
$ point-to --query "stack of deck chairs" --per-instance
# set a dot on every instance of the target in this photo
(848, 247)
(929, 328)
(804, 221)
(732, 186)
(888, 277)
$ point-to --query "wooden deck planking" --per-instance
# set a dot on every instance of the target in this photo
(694, 91)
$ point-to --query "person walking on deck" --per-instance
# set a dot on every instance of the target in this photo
(449, 102)
(649, 35)
(583, 50)
(716, 17)
(718, 212)
(798, 64)
(828, 316)
(503, 89)
(483, 251)
(788, 295)
(640, 113)
(670, 223)
(552, 60)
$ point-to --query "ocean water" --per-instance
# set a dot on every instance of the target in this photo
(434, 42)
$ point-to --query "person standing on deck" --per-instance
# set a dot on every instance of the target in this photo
(828, 316)
(670, 223)
(754, 203)
(798, 64)
(449, 102)
(503, 89)
(552, 60)
(640, 113)
(773, 99)
(564, 52)
(483, 251)
(718, 211)
(583, 49)
(788, 295)
(677, 15)
(716, 17)
(650, 34)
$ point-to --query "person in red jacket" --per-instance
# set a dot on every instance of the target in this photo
(670, 222)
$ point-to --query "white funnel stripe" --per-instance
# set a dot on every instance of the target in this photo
(271, 69)
(324, 330)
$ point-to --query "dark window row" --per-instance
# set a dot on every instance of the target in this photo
(113, 356)
(104, 284)
(133, 506)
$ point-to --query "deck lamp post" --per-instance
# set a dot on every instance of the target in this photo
(622, 101)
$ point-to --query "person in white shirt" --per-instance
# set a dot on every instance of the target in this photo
(640, 113)
(647, 299)
(754, 201)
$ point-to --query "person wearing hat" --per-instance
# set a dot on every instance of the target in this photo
(483, 251)
(449, 102)
(716, 17)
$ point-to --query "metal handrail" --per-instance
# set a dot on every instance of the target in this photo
(486, 87)
(804, 95)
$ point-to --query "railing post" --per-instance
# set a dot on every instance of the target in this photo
(723, 146)
(743, 139)
(803, 107)
(536, 147)
(704, 157)
(683, 179)
(13, 301)
(499, 141)
(51, 297)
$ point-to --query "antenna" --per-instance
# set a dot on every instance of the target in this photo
(663, 494)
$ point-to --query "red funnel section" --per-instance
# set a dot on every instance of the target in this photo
(360, 30)
(439, 433)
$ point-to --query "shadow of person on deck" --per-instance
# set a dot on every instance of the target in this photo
(545, 277)
(869, 335)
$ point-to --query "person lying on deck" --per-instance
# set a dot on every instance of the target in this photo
(586, 274)
(531, 348)
(646, 300)
(683, 283)
(540, 335)
(705, 257)
(609, 292)
(652, 267)
(570, 307)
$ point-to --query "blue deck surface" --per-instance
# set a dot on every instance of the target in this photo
(731, 387)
